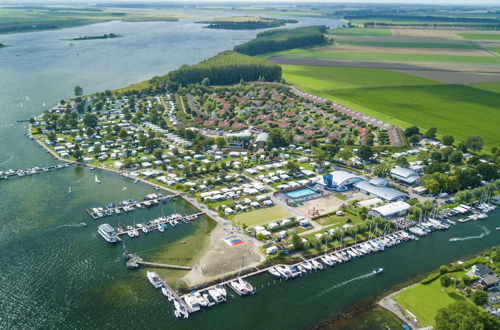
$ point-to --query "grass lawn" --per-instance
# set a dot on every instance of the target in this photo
(424, 300)
(361, 31)
(139, 86)
(480, 36)
(410, 44)
(262, 216)
(321, 53)
(404, 100)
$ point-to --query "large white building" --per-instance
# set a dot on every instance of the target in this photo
(391, 210)
(405, 175)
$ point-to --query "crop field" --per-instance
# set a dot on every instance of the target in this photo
(262, 216)
(405, 100)
(492, 87)
(480, 36)
(329, 78)
(386, 57)
(359, 31)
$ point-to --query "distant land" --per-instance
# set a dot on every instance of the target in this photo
(246, 23)
(104, 36)
(40, 18)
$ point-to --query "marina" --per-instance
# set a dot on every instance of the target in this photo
(207, 296)
(112, 235)
(129, 205)
(31, 171)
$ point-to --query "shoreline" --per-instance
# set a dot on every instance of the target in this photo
(195, 278)
(393, 307)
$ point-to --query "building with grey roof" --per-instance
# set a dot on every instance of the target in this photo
(384, 193)
(405, 175)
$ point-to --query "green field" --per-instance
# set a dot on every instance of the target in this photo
(480, 36)
(322, 53)
(333, 77)
(424, 300)
(412, 44)
(262, 216)
(405, 100)
(492, 87)
(361, 31)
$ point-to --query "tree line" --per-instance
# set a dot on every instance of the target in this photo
(225, 68)
(283, 39)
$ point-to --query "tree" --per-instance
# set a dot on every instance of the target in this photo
(365, 152)
(382, 170)
(52, 136)
(90, 120)
(468, 178)
(443, 269)
(433, 186)
(431, 133)
(78, 90)
(402, 161)
(447, 140)
(479, 297)
(345, 154)
(445, 281)
(487, 171)
(412, 130)
(277, 139)
(292, 167)
(474, 143)
(205, 82)
(461, 315)
(297, 242)
(456, 157)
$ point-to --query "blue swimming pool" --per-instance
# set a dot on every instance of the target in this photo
(300, 192)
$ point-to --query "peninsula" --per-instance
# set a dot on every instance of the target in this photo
(246, 23)
(92, 37)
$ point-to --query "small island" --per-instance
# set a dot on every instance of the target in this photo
(246, 23)
(104, 36)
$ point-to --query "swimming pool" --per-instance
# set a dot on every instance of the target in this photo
(300, 192)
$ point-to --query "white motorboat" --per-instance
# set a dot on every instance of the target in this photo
(154, 279)
(307, 265)
(454, 239)
(378, 270)
(274, 272)
(160, 228)
(192, 302)
(216, 295)
(108, 233)
(180, 310)
(284, 272)
(201, 299)
(316, 264)
(96, 179)
(222, 290)
(167, 293)
(210, 299)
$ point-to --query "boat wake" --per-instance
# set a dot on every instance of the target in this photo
(336, 286)
(8, 160)
(485, 232)
(81, 224)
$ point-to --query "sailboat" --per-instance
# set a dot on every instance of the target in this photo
(69, 189)
(43, 104)
(96, 179)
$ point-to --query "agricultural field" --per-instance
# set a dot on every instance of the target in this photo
(262, 216)
(480, 36)
(405, 100)
(359, 31)
(428, 78)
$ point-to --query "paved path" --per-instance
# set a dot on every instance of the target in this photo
(391, 305)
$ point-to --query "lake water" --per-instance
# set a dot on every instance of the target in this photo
(55, 274)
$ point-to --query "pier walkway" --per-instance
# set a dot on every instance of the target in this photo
(130, 205)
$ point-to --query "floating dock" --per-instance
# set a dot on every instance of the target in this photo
(150, 226)
(129, 205)
(31, 171)
(134, 261)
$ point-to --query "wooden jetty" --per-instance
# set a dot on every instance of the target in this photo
(101, 212)
(31, 171)
(134, 262)
(176, 296)
(165, 220)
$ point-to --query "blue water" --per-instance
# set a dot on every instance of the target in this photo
(300, 193)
